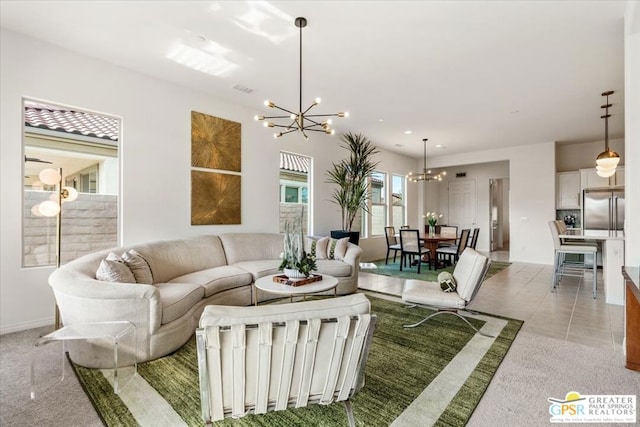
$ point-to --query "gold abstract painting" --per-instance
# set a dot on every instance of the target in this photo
(215, 198)
(215, 143)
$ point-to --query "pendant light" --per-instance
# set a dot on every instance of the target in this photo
(300, 120)
(608, 160)
(426, 174)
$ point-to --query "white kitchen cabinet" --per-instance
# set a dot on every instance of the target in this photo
(589, 178)
(568, 190)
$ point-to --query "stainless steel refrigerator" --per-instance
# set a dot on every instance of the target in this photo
(602, 213)
(603, 210)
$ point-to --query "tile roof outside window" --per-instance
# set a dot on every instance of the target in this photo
(61, 119)
(294, 163)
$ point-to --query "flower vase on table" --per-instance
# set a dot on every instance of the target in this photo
(432, 220)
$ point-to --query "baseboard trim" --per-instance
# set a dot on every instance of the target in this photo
(17, 327)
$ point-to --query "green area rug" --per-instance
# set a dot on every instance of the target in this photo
(393, 269)
(401, 366)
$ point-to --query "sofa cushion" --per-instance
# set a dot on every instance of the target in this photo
(337, 248)
(260, 268)
(333, 268)
(172, 258)
(316, 246)
(217, 279)
(239, 247)
(178, 298)
(114, 271)
(138, 266)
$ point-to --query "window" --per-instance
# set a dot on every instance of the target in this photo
(378, 203)
(85, 146)
(294, 189)
(398, 201)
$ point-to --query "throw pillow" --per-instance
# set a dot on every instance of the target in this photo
(337, 248)
(447, 282)
(139, 266)
(114, 257)
(316, 247)
(114, 271)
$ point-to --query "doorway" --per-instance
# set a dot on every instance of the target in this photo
(499, 217)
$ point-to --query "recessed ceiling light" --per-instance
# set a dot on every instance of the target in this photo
(381, 120)
(408, 132)
(514, 112)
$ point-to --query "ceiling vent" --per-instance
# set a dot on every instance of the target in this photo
(461, 174)
(243, 89)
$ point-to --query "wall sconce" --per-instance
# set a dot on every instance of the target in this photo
(51, 208)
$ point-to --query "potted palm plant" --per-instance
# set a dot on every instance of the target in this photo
(351, 178)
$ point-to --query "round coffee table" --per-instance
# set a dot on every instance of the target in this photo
(267, 284)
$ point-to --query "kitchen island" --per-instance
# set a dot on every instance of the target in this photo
(612, 245)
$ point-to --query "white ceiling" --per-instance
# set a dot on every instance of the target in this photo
(467, 75)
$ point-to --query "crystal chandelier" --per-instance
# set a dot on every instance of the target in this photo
(301, 120)
(607, 161)
(426, 174)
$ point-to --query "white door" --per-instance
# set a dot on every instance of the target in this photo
(462, 203)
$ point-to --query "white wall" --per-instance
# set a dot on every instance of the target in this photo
(155, 160)
(571, 157)
(632, 133)
(481, 173)
(531, 197)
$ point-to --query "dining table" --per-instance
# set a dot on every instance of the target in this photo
(430, 241)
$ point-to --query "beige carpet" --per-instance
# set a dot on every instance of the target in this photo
(537, 368)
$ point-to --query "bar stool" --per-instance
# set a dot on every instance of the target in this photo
(573, 268)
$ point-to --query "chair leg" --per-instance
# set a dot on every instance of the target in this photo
(553, 275)
(395, 252)
(419, 263)
(401, 260)
(455, 313)
(595, 270)
(349, 410)
(386, 260)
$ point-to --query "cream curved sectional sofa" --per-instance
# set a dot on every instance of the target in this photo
(188, 274)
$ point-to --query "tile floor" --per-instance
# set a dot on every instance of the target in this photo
(522, 291)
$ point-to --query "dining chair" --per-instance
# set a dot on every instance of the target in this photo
(392, 243)
(452, 253)
(473, 241)
(411, 245)
(448, 230)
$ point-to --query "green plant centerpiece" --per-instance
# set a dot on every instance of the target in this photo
(296, 262)
(351, 177)
(432, 218)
